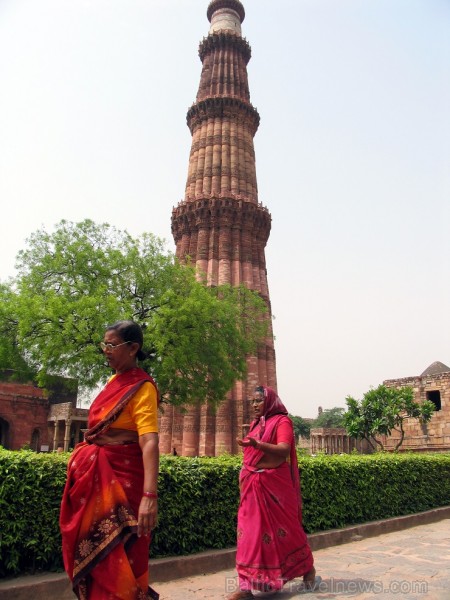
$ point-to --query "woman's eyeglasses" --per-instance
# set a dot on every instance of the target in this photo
(111, 347)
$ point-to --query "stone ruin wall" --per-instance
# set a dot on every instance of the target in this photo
(434, 435)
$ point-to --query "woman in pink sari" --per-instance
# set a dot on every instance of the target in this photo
(271, 545)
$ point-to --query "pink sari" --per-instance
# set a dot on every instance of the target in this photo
(272, 547)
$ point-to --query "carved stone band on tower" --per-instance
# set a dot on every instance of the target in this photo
(220, 224)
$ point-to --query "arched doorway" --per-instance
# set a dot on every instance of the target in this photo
(4, 433)
(35, 440)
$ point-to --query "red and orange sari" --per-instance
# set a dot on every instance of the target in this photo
(272, 547)
(102, 554)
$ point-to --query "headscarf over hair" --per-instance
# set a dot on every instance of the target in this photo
(272, 405)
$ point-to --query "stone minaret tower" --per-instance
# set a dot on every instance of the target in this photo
(220, 224)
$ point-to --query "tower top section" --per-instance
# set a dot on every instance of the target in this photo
(222, 120)
(226, 15)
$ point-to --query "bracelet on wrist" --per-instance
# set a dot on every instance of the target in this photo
(150, 494)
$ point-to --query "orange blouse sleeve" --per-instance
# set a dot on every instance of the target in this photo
(141, 412)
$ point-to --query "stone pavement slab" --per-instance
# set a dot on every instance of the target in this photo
(407, 558)
(412, 564)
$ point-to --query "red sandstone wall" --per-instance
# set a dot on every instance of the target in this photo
(25, 409)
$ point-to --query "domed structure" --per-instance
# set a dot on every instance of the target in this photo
(432, 385)
(435, 368)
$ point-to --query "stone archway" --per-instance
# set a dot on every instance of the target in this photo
(36, 440)
(4, 433)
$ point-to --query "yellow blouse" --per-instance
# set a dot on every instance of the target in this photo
(141, 412)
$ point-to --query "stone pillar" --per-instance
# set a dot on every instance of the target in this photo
(67, 434)
(224, 441)
(55, 436)
(165, 430)
(191, 431)
(207, 432)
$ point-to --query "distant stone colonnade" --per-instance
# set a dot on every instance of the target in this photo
(66, 425)
(335, 440)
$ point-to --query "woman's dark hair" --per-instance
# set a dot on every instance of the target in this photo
(259, 388)
(129, 331)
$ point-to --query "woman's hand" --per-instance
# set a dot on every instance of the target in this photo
(147, 515)
(247, 441)
(280, 450)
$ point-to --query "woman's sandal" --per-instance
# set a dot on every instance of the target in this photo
(312, 586)
(241, 595)
(311, 581)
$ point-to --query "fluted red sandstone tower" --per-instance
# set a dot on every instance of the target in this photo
(220, 224)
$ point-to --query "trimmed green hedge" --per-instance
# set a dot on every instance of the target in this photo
(342, 490)
(30, 495)
(199, 499)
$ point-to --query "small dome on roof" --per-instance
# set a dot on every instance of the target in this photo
(435, 368)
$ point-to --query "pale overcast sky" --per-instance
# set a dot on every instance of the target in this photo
(352, 159)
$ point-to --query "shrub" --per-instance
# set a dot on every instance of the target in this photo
(30, 495)
(341, 490)
(198, 500)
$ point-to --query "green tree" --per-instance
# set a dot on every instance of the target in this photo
(301, 427)
(330, 417)
(383, 410)
(10, 357)
(74, 282)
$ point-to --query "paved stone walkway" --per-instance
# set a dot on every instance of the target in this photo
(413, 564)
(404, 558)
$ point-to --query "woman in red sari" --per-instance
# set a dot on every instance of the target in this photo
(271, 545)
(109, 506)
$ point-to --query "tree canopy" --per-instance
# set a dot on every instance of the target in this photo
(74, 282)
(330, 417)
(301, 427)
(383, 410)
(10, 356)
